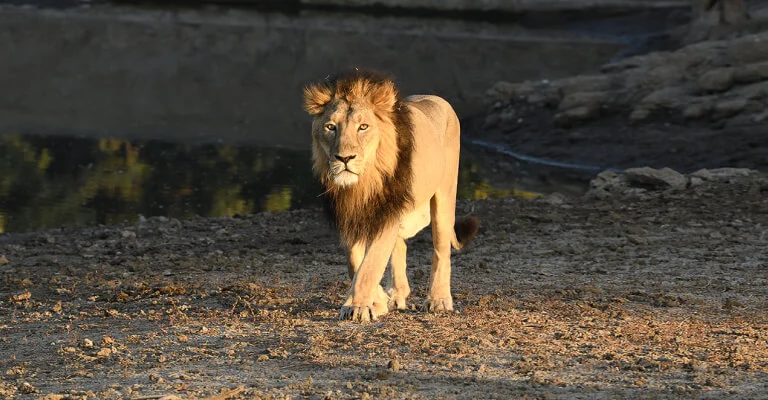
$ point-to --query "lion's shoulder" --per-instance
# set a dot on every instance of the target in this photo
(430, 105)
(431, 114)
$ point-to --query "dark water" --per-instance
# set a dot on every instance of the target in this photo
(52, 181)
(169, 112)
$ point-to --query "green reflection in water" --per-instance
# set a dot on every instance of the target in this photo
(49, 181)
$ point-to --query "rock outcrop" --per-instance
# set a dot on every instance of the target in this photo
(646, 181)
(711, 81)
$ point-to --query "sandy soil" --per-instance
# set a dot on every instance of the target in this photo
(637, 294)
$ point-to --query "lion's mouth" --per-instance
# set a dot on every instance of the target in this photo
(345, 177)
(347, 170)
(341, 169)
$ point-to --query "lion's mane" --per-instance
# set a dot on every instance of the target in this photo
(362, 211)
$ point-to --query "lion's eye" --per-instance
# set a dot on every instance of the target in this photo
(363, 127)
(330, 127)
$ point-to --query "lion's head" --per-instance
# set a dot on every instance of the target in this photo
(362, 142)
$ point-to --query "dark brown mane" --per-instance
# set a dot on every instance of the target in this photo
(363, 222)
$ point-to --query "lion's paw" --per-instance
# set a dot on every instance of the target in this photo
(397, 298)
(362, 313)
(438, 305)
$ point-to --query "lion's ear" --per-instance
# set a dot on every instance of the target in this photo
(316, 97)
(384, 96)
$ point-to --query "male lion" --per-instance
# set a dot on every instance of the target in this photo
(389, 167)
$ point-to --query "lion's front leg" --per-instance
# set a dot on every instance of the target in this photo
(398, 289)
(367, 299)
(355, 255)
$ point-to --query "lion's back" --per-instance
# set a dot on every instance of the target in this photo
(435, 114)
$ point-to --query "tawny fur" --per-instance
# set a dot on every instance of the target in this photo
(390, 168)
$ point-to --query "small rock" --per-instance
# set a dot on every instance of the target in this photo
(554, 199)
(715, 381)
(20, 298)
(725, 174)
(107, 341)
(670, 97)
(588, 100)
(607, 183)
(751, 72)
(502, 91)
(639, 114)
(656, 178)
(128, 234)
(717, 80)
(104, 352)
(3, 260)
(26, 388)
(696, 181)
(582, 113)
(585, 84)
(634, 239)
(263, 357)
(703, 174)
(695, 111)
(87, 343)
(760, 117)
(727, 108)
(57, 307)
(394, 365)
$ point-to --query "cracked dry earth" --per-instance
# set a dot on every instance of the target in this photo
(656, 296)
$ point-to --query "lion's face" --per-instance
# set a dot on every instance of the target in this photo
(347, 137)
(354, 143)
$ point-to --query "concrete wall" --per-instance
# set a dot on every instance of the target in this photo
(237, 76)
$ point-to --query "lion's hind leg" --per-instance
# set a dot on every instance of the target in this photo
(443, 206)
(398, 285)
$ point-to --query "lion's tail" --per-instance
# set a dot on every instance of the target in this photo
(464, 230)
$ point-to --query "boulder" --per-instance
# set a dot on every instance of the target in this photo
(665, 178)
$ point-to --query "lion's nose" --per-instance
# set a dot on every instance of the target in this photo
(345, 159)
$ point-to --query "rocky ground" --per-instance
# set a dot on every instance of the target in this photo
(704, 105)
(654, 284)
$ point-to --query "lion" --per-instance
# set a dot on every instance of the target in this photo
(389, 167)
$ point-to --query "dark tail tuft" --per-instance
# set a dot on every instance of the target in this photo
(466, 228)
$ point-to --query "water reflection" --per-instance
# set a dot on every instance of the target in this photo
(52, 181)
(49, 181)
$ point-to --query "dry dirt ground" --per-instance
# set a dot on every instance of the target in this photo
(638, 294)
